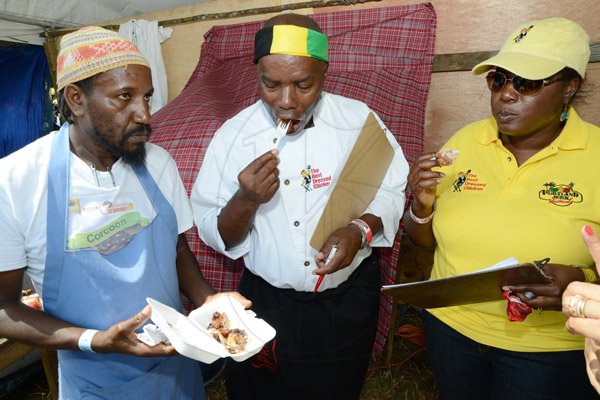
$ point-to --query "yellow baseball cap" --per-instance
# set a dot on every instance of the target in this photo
(541, 48)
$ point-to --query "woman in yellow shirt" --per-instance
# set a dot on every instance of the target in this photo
(524, 182)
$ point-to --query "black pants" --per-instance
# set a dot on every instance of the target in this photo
(323, 343)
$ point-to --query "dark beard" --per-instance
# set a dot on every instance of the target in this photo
(136, 156)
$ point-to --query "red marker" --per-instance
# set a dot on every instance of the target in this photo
(329, 258)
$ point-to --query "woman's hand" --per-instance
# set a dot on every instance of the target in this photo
(548, 296)
(588, 293)
(423, 183)
(586, 324)
(581, 304)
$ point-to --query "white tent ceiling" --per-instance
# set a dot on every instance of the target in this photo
(24, 20)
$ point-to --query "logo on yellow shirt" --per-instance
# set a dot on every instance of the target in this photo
(560, 194)
(468, 180)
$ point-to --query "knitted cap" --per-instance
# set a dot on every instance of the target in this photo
(92, 50)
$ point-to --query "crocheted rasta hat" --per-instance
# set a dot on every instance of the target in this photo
(92, 50)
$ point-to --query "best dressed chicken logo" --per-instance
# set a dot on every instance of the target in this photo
(468, 180)
(312, 178)
(560, 194)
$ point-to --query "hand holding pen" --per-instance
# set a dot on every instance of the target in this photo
(329, 258)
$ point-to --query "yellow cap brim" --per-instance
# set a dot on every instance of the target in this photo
(525, 65)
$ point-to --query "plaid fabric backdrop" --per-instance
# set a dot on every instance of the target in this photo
(382, 57)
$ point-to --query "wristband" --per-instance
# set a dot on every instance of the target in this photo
(419, 220)
(85, 340)
(363, 236)
(365, 229)
(588, 273)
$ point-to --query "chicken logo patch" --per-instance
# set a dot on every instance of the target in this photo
(522, 34)
(312, 178)
(468, 181)
(460, 180)
(560, 194)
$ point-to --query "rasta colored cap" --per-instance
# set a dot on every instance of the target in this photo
(291, 40)
(92, 50)
(540, 49)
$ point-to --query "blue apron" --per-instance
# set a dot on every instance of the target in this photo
(89, 290)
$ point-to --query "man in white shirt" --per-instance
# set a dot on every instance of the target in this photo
(260, 197)
(95, 215)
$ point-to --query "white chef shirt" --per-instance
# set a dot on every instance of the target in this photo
(277, 247)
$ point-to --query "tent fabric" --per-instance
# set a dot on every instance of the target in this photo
(25, 21)
(382, 57)
(148, 36)
(25, 107)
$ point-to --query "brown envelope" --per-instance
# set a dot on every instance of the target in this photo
(358, 182)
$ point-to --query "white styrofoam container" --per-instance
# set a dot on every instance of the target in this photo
(189, 335)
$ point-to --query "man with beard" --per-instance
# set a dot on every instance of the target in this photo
(253, 201)
(95, 215)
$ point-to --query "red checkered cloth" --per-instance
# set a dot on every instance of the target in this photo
(382, 57)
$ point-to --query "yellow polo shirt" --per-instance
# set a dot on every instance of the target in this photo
(489, 209)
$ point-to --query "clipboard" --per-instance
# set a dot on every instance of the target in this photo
(358, 183)
(475, 287)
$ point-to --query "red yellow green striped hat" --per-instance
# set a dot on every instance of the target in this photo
(292, 40)
(92, 50)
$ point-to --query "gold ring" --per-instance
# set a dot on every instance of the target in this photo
(571, 304)
(581, 308)
(576, 306)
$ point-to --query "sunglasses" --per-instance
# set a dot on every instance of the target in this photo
(525, 87)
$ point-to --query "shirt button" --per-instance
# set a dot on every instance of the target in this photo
(296, 223)
(286, 182)
(306, 263)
